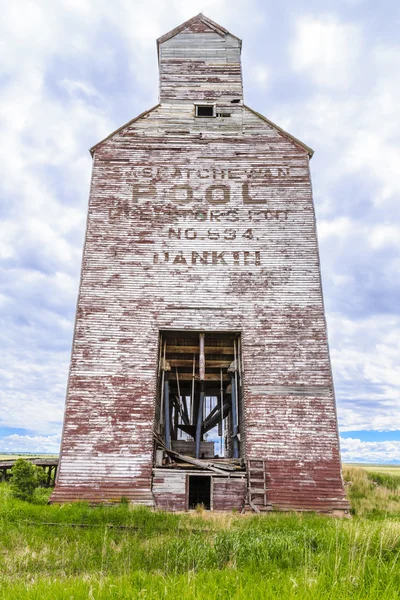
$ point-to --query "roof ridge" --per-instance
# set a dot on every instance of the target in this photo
(294, 139)
(200, 17)
(109, 136)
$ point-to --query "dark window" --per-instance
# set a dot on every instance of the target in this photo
(199, 491)
(204, 110)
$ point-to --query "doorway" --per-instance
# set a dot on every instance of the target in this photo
(199, 491)
(199, 408)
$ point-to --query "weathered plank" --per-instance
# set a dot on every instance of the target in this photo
(195, 350)
(212, 364)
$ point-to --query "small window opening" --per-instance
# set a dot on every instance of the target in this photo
(235, 101)
(204, 110)
(223, 114)
(199, 491)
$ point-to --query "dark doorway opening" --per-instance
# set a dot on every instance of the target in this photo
(199, 409)
(199, 491)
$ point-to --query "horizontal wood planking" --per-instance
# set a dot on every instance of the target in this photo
(169, 490)
(201, 224)
(200, 66)
(229, 494)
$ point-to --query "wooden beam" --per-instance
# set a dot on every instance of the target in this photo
(208, 377)
(195, 350)
(202, 359)
(212, 364)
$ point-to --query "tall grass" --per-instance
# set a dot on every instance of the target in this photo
(392, 482)
(131, 552)
(372, 494)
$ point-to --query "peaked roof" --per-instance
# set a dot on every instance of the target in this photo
(204, 22)
(295, 140)
(198, 19)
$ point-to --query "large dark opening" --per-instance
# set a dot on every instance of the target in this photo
(199, 491)
(199, 410)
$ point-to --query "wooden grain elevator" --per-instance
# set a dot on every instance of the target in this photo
(200, 369)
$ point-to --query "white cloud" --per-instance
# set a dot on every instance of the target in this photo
(260, 76)
(33, 380)
(354, 450)
(338, 228)
(77, 87)
(371, 236)
(385, 235)
(356, 135)
(365, 354)
(350, 115)
(31, 443)
(326, 49)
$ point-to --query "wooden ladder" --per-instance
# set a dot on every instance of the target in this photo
(257, 485)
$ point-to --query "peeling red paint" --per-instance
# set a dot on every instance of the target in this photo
(186, 214)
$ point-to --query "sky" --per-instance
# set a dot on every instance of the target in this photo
(327, 71)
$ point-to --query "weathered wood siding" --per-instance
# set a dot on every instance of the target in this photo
(201, 224)
(229, 493)
(204, 66)
(170, 490)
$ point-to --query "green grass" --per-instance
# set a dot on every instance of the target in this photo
(129, 552)
(391, 482)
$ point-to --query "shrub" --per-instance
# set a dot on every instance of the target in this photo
(26, 477)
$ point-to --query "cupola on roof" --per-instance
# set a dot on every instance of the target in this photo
(199, 61)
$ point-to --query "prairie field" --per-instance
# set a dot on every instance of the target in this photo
(50, 552)
(376, 468)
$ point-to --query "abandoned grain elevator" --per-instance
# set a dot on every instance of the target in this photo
(200, 370)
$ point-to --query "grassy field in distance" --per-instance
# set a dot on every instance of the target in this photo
(376, 468)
